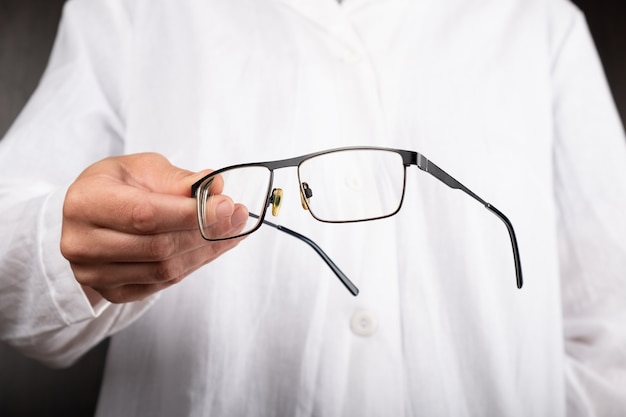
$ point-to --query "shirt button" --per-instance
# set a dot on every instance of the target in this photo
(363, 323)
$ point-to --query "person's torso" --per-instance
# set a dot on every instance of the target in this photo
(267, 329)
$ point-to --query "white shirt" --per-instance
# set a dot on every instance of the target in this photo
(506, 96)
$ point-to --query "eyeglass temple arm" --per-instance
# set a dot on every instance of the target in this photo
(427, 166)
(342, 277)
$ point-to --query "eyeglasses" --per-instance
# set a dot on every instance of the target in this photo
(343, 185)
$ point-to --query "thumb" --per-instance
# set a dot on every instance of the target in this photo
(155, 173)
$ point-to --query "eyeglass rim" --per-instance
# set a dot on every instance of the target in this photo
(366, 219)
(406, 157)
(200, 207)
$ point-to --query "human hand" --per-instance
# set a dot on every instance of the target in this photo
(130, 228)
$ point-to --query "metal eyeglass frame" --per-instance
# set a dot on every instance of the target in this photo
(408, 158)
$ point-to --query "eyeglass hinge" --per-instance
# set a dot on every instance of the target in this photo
(422, 162)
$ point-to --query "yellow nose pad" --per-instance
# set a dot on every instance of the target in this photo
(305, 195)
(276, 200)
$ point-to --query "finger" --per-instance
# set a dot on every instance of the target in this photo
(108, 246)
(211, 184)
(150, 171)
(227, 226)
(107, 277)
(130, 293)
(128, 209)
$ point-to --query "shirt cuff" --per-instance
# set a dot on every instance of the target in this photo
(66, 293)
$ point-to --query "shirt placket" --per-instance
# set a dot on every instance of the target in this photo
(360, 340)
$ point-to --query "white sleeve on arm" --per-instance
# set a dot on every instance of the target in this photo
(74, 118)
(590, 187)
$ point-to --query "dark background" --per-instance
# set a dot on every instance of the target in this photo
(27, 30)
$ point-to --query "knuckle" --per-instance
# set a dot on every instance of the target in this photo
(84, 276)
(161, 247)
(74, 202)
(144, 217)
(90, 277)
(118, 295)
(72, 248)
(168, 271)
(86, 280)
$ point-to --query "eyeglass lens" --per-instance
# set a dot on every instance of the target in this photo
(353, 185)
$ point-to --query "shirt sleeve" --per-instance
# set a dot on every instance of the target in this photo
(590, 189)
(73, 119)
